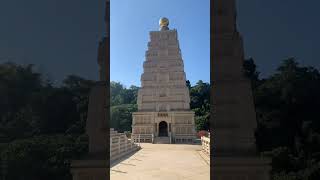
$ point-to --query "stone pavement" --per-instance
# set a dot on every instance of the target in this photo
(163, 162)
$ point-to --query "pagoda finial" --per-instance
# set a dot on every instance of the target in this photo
(164, 23)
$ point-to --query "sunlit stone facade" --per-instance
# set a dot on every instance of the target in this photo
(163, 100)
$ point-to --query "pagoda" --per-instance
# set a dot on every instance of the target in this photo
(164, 114)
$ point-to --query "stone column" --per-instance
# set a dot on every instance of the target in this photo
(157, 125)
(95, 166)
(234, 115)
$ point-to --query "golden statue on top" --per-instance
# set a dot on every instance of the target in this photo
(164, 23)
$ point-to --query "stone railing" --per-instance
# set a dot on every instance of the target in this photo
(142, 138)
(184, 138)
(205, 142)
(120, 145)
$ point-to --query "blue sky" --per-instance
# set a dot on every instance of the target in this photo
(59, 37)
(131, 22)
(274, 30)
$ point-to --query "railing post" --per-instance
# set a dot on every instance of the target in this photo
(119, 150)
(139, 139)
(126, 142)
(205, 143)
(111, 138)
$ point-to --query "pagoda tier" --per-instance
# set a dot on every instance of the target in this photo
(163, 82)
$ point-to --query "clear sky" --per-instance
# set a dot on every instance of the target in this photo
(61, 36)
(277, 29)
(131, 22)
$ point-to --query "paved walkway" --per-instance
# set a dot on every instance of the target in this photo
(163, 162)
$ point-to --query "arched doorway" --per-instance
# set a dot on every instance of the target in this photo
(163, 129)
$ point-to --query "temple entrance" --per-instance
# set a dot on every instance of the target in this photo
(163, 129)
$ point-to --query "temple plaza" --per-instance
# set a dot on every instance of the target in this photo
(163, 162)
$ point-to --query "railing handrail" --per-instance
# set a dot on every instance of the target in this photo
(147, 134)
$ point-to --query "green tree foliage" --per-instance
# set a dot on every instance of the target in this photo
(121, 95)
(40, 124)
(121, 116)
(79, 88)
(200, 104)
(30, 105)
(18, 85)
(250, 70)
(124, 102)
(42, 157)
(287, 100)
(287, 117)
(43, 125)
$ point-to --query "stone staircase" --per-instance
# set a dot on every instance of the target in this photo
(162, 140)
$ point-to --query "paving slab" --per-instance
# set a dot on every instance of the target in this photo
(163, 162)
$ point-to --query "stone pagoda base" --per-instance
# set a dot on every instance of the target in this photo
(241, 168)
(170, 127)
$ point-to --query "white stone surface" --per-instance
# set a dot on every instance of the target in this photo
(163, 80)
(164, 97)
(163, 162)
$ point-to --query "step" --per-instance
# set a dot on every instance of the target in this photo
(162, 140)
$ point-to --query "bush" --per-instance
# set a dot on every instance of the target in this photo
(42, 157)
(202, 133)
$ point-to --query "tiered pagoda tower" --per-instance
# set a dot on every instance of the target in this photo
(164, 113)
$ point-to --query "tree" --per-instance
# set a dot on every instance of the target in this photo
(80, 89)
(200, 104)
(130, 95)
(188, 84)
(121, 117)
(288, 124)
(116, 91)
(42, 157)
(18, 84)
(250, 71)
(124, 102)
(287, 99)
